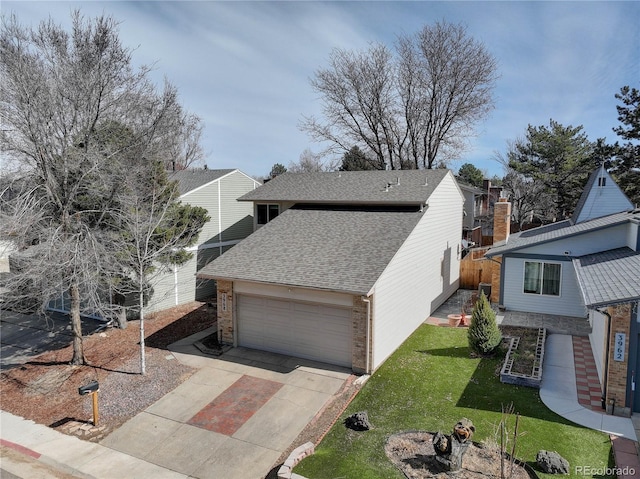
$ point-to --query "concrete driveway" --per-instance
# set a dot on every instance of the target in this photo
(234, 417)
(23, 336)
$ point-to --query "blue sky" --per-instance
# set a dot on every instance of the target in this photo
(244, 67)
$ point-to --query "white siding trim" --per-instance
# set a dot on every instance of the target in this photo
(220, 244)
(175, 283)
(255, 183)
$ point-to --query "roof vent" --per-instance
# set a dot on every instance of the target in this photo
(398, 180)
(426, 181)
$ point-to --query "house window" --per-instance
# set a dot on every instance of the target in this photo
(602, 181)
(542, 278)
(266, 213)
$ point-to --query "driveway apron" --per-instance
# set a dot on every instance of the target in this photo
(234, 417)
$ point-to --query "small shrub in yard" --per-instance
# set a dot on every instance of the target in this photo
(484, 335)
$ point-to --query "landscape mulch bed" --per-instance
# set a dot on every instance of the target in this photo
(45, 389)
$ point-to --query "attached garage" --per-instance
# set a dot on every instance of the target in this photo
(353, 263)
(315, 331)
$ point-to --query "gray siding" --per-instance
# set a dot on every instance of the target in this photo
(236, 218)
(164, 296)
(603, 200)
(587, 243)
(206, 288)
(207, 198)
(569, 303)
(633, 236)
(469, 208)
(230, 220)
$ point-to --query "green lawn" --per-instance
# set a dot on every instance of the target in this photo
(428, 385)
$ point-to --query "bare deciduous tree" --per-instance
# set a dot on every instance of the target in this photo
(414, 109)
(73, 112)
(309, 163)
(152, 231)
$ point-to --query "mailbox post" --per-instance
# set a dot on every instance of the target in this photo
(91, 388)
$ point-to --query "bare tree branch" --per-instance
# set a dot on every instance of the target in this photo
(411, 108)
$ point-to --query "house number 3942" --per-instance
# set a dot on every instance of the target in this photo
(618, 351)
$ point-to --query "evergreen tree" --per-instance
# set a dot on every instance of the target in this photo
(558, 157)
(356, 160)
(277, 169)
(470, 175)
(483, 334)
(626, 165)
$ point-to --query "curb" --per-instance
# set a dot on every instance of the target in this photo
(44, 459)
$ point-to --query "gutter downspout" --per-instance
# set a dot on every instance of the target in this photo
(368, 362)
(606, 356)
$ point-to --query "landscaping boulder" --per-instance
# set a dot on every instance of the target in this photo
(552, 463)
(358, 421)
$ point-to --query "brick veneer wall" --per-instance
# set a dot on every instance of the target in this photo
(617, 370)
(225, 318)
(501, 231)
(359, 340)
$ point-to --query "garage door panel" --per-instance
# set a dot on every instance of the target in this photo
(314, 331)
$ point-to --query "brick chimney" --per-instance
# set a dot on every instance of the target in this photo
(501, 230)
(501, 220)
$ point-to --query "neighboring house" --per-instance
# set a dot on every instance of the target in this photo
(490, 196)
(343, 266)
(587, 266)
(473, 201)
(230, 221)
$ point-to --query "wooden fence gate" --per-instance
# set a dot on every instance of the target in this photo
(475, 269)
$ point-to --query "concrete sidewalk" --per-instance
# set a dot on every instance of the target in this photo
(71, 455)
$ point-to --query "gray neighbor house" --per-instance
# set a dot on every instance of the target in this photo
(230, 221)
(342, 266)
(587, 267)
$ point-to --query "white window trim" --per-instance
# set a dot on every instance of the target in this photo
(524, 271)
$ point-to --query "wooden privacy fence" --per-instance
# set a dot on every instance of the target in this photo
(475, 269)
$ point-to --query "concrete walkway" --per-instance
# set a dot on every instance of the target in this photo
(559, 391)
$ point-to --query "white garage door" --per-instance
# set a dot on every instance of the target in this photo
(313, 331)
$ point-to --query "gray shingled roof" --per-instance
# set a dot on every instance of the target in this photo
(555, 231)
(609, 277)
(321, 249)
(356, 187)
(189, 180)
